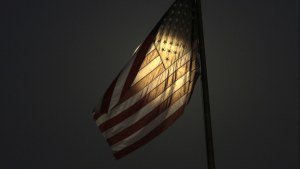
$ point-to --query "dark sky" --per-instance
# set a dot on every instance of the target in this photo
(58, 58)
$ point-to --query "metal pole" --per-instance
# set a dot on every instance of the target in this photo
(206, 106)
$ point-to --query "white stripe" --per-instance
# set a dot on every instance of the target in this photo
(149, 127)
(121, 81)
(158, 80)
(101, 119)
(148, 107)
(147, 69)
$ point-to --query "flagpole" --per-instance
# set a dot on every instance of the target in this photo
(206, 106)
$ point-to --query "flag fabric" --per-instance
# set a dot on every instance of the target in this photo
(151, 91)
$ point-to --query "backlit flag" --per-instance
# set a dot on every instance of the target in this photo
(151, 91)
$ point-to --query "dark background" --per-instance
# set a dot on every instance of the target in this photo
(58, 58)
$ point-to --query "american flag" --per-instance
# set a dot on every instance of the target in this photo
(151, 91)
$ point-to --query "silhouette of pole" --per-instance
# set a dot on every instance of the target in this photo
(206, 106)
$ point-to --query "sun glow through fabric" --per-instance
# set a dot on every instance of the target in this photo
(151, 91)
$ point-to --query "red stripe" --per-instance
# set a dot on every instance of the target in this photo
(155, 132)
(106, 99)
